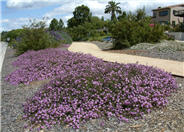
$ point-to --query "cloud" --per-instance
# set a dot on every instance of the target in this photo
(30, 3)
(132, 5)
(66, 7)
(65, 11)
(4, 20)
(9, 24)
(94, 4)
(97, 7)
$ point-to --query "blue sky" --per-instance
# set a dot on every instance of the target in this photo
(16, 13)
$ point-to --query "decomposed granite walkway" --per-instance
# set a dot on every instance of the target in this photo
(174, 67)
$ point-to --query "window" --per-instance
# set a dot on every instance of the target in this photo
(163, 13)
(174, 12)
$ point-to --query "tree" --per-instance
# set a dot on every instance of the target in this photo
(97, 23)
(54, 24)
(82, 14)
(122, 16)
(113, 8)
(60, 24)
(72, 22)
(140, 14)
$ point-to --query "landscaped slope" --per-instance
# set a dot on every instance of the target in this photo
(84, 87)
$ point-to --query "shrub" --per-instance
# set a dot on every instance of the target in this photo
(12, 35)
(156, 34)
(130, 32)
(179, 27)
(35, 37)
(89, 30)
(84, 87)
(79, 33)
(135, 28)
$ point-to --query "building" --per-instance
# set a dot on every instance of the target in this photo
(169, 15)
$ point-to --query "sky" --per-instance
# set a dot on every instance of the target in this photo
(16, 13)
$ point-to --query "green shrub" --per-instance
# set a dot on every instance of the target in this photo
(156, 34)
(79, 33)
(179, 27)
(12, 35)
(35, 37)
(128, 32)
(89, 30)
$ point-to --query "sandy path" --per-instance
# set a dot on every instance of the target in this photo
(174, 67)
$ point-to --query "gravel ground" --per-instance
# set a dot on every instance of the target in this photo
(167, 119)
(170, 50)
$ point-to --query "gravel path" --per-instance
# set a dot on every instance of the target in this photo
(169, 50)
(12, 98)
(168, 119)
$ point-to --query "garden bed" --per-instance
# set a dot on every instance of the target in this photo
(170, 117)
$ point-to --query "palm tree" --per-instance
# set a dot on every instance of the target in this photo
(113, 8)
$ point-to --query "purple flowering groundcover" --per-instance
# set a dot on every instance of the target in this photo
(83, 87)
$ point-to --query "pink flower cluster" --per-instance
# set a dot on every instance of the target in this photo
(43, 64)
(84, 87)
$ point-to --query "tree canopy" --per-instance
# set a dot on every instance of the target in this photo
(113, 9)
(60, 24)
(81, 14)
(140, 14)
(55, 25)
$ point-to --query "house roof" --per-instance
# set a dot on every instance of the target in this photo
(168, 7)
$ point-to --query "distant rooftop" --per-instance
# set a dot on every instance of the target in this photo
(167, 7)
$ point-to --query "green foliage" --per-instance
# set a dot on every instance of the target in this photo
(83, 26)
(81, 15)
(79, 33)
(35, 37)
(140, 14)
(55, 25)
(122, 16)
(89, 30)
(113, 9)
(60, 24)
(167, 27)
(135, 29)
(179, 27)
(3, 35)
(13, 34)
(72, 22)
(97, 23)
